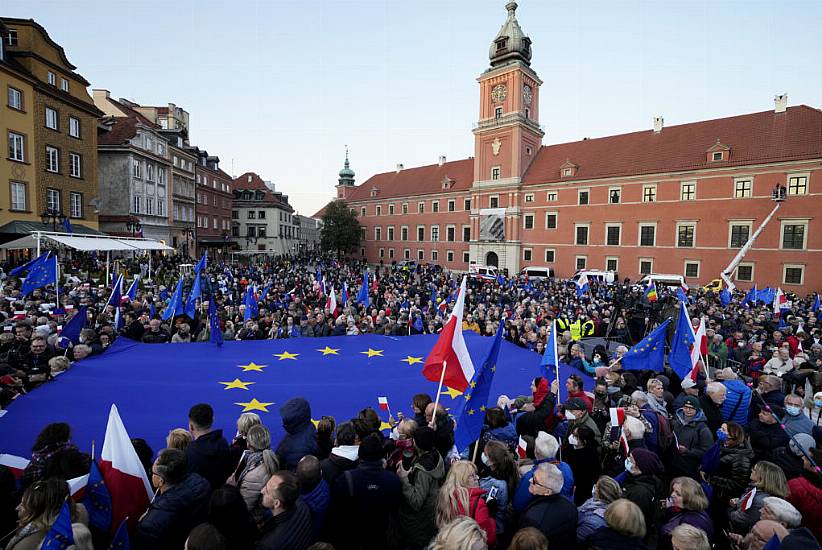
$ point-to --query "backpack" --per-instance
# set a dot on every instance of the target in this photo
(665, 435)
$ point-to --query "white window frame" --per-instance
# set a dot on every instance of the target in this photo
(685, 269)
(579, 197)
(530, 252)
(18, 188)
(611, 259)
(639, 265)
(454, 227)
(752, 265)
(807, 176)
(418, 233)
(650, 186)
(714, 157)
(794, 221)
(587, 235)
(435, 255)
(785, 268)
(378, 210)
(496, 173)
(391, 209)
(685, 224)
(378, 233)
(556, 216)
(17, 146)
(74, 127)
(406, 253)
(421, 207)
(362, 211)
(466, 257)
(64, 84)
(382, 253)
(584, 258)
(391, 254)
(52, 119)
(435, 206)
(740, 180)
(552, 196)
(75, 165)
(435, 229)
(52, 78)
(449, 256)
(52, 159)
(15, 98)
(420, 255)
(53, 199)
(618, 189)
(640, 225)
(76, 204)
(404, 229)
(405, 208)
(682, 185)
(748, 223)
(462, 233)
(451, 205)
(553, 252)
(137, 168)
(493, 198)
(529, 197)
(613, 224)
(526, 217)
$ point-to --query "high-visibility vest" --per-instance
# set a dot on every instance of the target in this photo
(576, 330)
(588, 328)
(562, 324)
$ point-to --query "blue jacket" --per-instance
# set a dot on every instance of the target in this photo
(522, 497)
(501, 497)
(173, 514)
(301, 438)
(318, 499)
(736, 392)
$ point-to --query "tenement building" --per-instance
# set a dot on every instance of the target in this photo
(213, 208)
(680, 199)
(262, 219)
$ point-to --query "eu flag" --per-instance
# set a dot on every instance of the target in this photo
(550, 364)
(215, 334)
(362, 296)
(152, 311)
(72, 329)
(201, 264)
(60, 536)
(680, 295)
(680, 356)
(816, 303)
(67, 226)
(41, 274)
(120, 540)
(725, 297)
(28, 265)
(196, 292)
(344, 296)
(251, 307)
(470, 415)
(649, 353)
(750, 296)
(175, 303)
(116, 293)
(164, 295)
(132, 290)
(97, 500)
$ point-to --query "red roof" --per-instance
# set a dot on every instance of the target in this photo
(255, 182)
(424, 180)
(753, 138)
(122, 130)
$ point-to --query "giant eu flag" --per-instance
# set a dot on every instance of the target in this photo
(649, 353)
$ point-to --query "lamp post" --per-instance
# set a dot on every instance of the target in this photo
(54, 216)
(189, 234)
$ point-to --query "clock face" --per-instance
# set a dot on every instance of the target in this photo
(498, 93)
(527, 95)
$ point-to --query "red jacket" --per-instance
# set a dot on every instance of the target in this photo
(808, 500)
(589, 403)
(479, 513)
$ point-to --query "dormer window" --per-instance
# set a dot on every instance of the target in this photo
(502, 43)
(718, 152)
(447, 183)
(717, 155)
(374, 192)
(567, 172)
(568, 169)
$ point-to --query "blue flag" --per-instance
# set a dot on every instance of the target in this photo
(164, 295)
(97, 499)
(750, 296)
(72, 329)
(725, 297)
(773, 544)
(550, 363)
(470, 415)
(265, 292)
(582, 285)
(116, 293)
(344, 296)
(816, 303)
(152, 311)
(251, 308)
(434, 296)
(41, 274)
(215, 334)
(132, 290)
(60, 536)
(680, 356)
(680, 294)
(500, 279)
(29, 264)
(649, 353)
(67, 226)
(175, 303)
(201, 264)
(196, 292)
(120, 540)
(362, 296)
(418, 326)
(710, 460)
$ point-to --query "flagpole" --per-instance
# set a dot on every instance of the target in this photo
(57, 280)
(556, 355)
(439, 390)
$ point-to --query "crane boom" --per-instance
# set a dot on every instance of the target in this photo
(726, 273)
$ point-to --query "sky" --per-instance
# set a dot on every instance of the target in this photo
(281, 87)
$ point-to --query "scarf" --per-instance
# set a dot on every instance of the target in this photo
(541, 392)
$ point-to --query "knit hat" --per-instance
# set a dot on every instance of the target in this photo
(693, 401)
(371, 448)
(806, 441)
(687, 383)
(647, 462)
(575, 404)
(424, 438)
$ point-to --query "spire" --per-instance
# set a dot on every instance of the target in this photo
(346, 174)
(510, 43)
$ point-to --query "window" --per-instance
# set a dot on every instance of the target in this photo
(614, 195)
(52, 159)
(466, 257)
(74, 127)
(611, 264)
(495, 173)
(466, 233)
(434, 255)
(550, 255)
(551, 197)
(743, 188)
(526, 254)
(744, 272)
(420, 208)
(529, 221)
(649, 193)
(451, 233)
(740, 233)
(493, 201)
(18, 196)
(687, 191)
(613, 235)
(435, 233)
(150, 208)
(646, 266)
(798, 185)
(529, 197)
(64, 84)
(260, 213)
(15, 98)
(390, 233)
(137, 168)
(451, 205)
(405, 208)
(252, 215)
(685, 236)
(382, 253)
(551, 220)
(582, 234)
(75, 165)
(391, 253)
(466, 204)
(17, 147)
(449, 256)
(793, 235)
(11, 37)
(390, 209)
(403, 233)
(582, 261)
(567, 172)
(691, 270)
(582, 197)
(420, 254)
(406, 254)
(52, 78)
(378, 233)
(161, 208)
(362, 211)
(379, 210)
(717, 155)
(793, 274)
(498, 112)
(53, 199)
(435, 206)
(235, 215)
(420, 233)
(647, 235)
(161, 179)
(76, 200)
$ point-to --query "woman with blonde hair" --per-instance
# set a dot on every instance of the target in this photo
(244, 423)
(37, 511)
(687, 505)
(461, 533)
(592, 511)
(625, 528)
(460, 495)
(767, 480)
(255, 469)
(178, 438)
(688, 537)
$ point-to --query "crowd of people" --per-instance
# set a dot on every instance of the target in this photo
(726, 460)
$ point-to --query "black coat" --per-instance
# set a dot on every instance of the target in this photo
(765, 438)
(555, 516)
(301, 436)
(712, 412)
(606, 538)
(210, 456)
(290, 530)
(586, 466)
(645, 491)
(733, 474)
(173, 514)
(333, 466)
(775, 397)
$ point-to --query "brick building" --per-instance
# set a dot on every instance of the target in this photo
(680, 199)
(213, 204)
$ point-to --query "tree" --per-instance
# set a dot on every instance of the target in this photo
(341, 229)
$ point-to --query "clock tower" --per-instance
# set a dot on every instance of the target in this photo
(507, 138)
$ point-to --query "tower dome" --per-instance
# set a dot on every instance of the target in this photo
(346, 174)
(510, 43)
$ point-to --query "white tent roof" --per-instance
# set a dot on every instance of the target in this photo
(82, 242)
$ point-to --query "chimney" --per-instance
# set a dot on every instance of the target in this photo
(658, 123)
(399, 168)
(442, 160)
(780, 103)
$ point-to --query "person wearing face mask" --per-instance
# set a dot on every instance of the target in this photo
(795, 422)
(602, 404)
(576, 413)
(498, 470)
(582, 455)
(643, 485)
(814, 409)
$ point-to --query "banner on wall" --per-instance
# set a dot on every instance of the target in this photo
(492, 224)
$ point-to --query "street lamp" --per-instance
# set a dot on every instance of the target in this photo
(53, 216)
(189, 234)
(134, 226)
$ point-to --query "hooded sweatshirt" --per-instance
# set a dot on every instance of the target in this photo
(301, 436)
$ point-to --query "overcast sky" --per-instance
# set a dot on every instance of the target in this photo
(280, 87)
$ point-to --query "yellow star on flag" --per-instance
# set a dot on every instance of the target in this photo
(470, 411)
(236, 384)
(315, 422)
(372, 352)
(467, 396)
(411, 360)
(473, 384)
(482, 408)
(329, 351)
(451, 392)
(252, 366)
(385, 426)
(286, 355)
(254, 405)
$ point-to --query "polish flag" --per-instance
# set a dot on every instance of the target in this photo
(331, 302)
(617, 415)
(123, 473)
(747, 500)
(522, 446)
(383, 402)
(450, 352)
(700, 346)
(780, 302)
(15, 464)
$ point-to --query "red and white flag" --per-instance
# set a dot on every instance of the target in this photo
(617, 415)
(700, 346)
(383, 401)
(747, 500)
(15, 464)
(780, 302)
(123, 473)
(450, 351)
(522, 447)
(331, 302)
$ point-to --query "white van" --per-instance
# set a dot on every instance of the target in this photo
(608, 277)
(488, 272)
(537, 272)
(660, 279)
